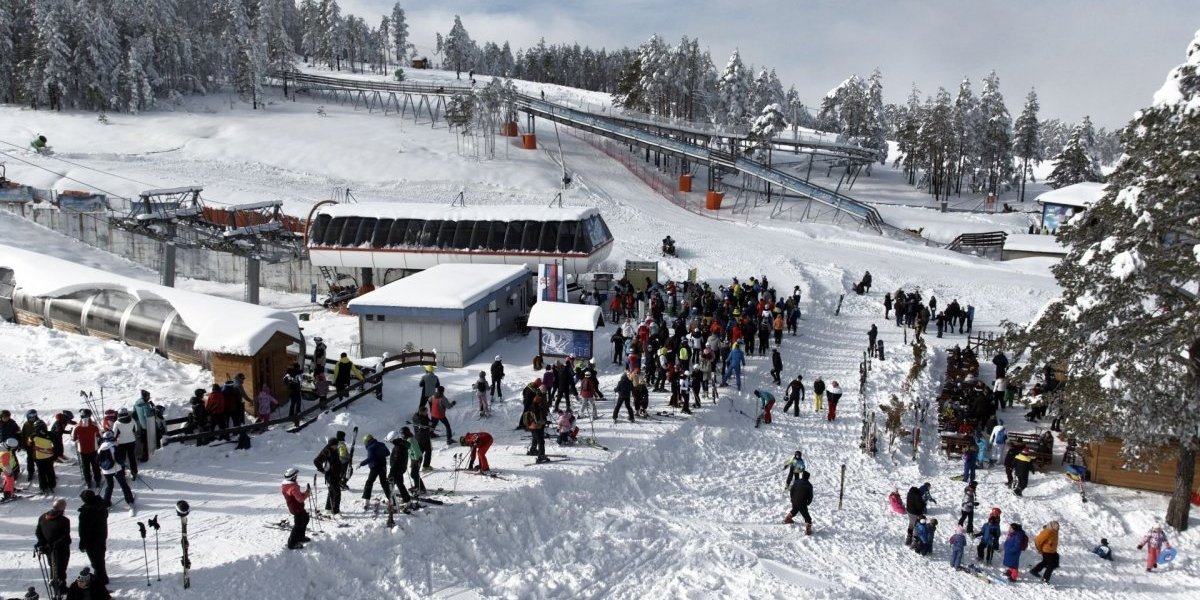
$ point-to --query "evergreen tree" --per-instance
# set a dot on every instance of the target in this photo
(875, 129)
(1073, 164)
(629, 89)
(276, 44)
(8, 53)
(399, 33)
(733, 91)
(996, 145)
(968, 126)
(459, 47)
(935, 143)
(760, 92)
(1127, 326)
(908, 134)
(50, 72)
(1027, 146)
(765, 128)
(655, 65)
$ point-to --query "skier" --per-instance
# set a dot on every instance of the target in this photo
(915, 505)
(794, 467)
(143, 415)
(43, 456)
(424, 432)
(1046, 543)
(1014, 544)
(319, 351)
(478, 443)
(342, 372)
(734, 367)
(871, 335)
(924, 533)
(887, 305)
(958, 543)
(214, 405)
(414, 461)
(818, 394)
(776, 366)
(329, 463)
(438, 405)
(535, 422)
(1103, 551)
(236, 400)
(833, 395)
(377, 462)
(766, 401)
(10, 467)
(497, 377)
(58, 430)
(989, 539)
(802, 495)
(589, 392)
(624, 390)
(54, 542)
(481, 394)
(93, 534)
(293, 378)
(1022, 467)
(1154, 542)
(399, 464)
(126, 430)
(295, 500)
(109, 459)
(429, 384)
(265, 404)
(967, 508)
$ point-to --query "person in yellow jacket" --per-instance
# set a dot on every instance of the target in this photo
(342, 372)
(1046, 543)
(43, 456)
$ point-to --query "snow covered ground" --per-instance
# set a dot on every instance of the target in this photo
(680, 507)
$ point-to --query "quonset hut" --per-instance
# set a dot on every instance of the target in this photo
(226, 336)
(413, 237)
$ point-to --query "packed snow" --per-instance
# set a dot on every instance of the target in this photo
(561, 315)
(679, 506)
(451, 285)
(1082, 194)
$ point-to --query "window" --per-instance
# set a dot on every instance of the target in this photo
(144, 325)
(462, 235)
(104, 315)
(381, 318)
(349, 231)
(493, 316)
(181, 339)
(412, 236)
(316, 236)
(365, 230)
(496, 239)
(472, 328)
(429, 234)
(549, 241)
(379, 236)
(566, 235)
(479, 239)
(68, 309)
(529, 240)
(334, 232)
(445, 237)
(513, 232)
(370, 317)
(396, 236)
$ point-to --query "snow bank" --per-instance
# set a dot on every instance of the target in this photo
(224, 326)
(561, 315)
(1024, 242)
(434, 212)
(1082, 195)
(449, 286)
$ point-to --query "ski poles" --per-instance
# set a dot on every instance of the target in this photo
(145, 554)
(45, 572)
(458, 458)
(153, 522)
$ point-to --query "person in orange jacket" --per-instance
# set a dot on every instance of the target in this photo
(479, 443)
(1046, 543)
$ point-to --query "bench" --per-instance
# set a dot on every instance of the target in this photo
(956, 445)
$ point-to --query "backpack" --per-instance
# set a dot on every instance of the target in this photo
(1001, 437)
(106, 460)
(1024, 541)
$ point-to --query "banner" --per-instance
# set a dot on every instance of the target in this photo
(552, 283)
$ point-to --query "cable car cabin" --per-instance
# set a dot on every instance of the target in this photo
(418, 236)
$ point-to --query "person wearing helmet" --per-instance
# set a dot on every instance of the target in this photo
(377, 463)
(8, 427)
(296, 500)
(429, 384)
(147, 427)
(125, 429)
(31, 418)
(10, 467)
(86, 436)
(794, 466)
(93, 534)
(43, 456)
(109, 459)
(329, 463)
(415, 455)
(481, 394)
(343, 371)
(398, 465)
(478, 443)
(497, 376)
(54, 542)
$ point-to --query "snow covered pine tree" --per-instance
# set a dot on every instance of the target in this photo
(1127, 326)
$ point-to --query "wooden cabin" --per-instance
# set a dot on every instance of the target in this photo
(1105, 465)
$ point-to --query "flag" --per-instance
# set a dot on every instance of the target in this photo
(552, 283)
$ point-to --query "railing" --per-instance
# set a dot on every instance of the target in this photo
(990, 239)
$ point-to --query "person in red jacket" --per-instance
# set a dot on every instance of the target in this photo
(87, 441)
(295, 504)
(479, 444)
(214, 405)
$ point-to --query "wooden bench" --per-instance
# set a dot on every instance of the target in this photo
(1030, 441)
(956, 445)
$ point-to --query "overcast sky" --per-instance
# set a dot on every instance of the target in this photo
(1099, 57)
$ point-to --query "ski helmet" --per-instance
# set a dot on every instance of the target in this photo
(391, 436)
(368, 438)
(124, 412)
(290, 474)
(31, 414)
(12, 443)
(463, 440)
(108, 436)
(85, 413)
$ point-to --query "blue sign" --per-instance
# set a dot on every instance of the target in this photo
(566, 342)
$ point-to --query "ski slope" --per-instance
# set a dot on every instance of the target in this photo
(680, 507)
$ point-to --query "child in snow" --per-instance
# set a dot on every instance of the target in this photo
(1103, 551)
(481, 394)
(989, 539)
(958, 543)
(1154, 542)
(1014, 545)
(894, 501)
(265, 403)
(925, 532)
(565, 425)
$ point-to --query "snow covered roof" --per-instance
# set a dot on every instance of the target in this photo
(1079, 194)
(454, 286)
(1025, 242)
(561, 315)
(434, 212)
(221, 325)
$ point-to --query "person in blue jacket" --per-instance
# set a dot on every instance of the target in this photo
(1014, 545)
(766, 401)
(377, 462)
(736, 359)
(989, 539)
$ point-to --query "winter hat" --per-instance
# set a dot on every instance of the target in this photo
(959, 529)
(291, 473)
(31, 594)
(85, 413)
(973, 484)
(12, 443)
(124, 412)
(332, 442)
(462, 440)
(85, 577)
(31, 414)
(341, 435)
(406, 432)
(145, 394)
(87, 496)
(1103, 541)
(428, 368)
(497, 357)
